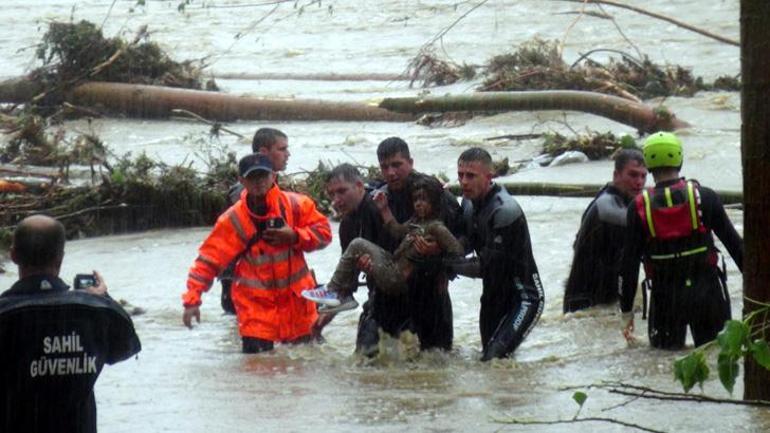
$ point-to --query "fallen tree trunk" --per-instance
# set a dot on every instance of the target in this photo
(577, 190)
(158, 102)
(311, 77)
(640, 116)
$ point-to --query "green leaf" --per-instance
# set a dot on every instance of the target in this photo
(728, 370)
(627, 142)
(761, 352)
(691, 369)
(580, 397)
(733, 337)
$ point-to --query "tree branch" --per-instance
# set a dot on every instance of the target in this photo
(570, 421)
(661, 17)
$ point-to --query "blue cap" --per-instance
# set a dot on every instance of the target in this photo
(256, 161)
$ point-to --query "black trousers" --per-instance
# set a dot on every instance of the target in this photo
(426, 310)
(258, 345)
(702, 304)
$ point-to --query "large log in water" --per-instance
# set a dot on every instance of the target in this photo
(577, 190)
(157, 102)
(640, 116)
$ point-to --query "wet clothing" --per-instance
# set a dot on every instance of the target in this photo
(512, 298)
(390, 271)
(669, 228)
(268, 279)
(55, 343)
(593, 278)
(426, 308)
(226, 277)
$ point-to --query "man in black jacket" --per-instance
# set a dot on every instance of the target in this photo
(593, 278)
(54, 341)
(496, 229)
(669, 228)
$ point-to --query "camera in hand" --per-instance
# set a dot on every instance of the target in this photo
(272, 223)
(84, 281)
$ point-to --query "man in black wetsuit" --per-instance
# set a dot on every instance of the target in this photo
(496, 229)
(54, 341)
(593, 278)
(426, 308)
(669, 228)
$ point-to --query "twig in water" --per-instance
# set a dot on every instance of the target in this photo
(570, 421)
(208, 122)
(661, 17)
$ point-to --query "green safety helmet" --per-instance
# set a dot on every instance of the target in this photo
(662, 149)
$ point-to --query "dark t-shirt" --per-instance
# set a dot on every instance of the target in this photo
(54, 345)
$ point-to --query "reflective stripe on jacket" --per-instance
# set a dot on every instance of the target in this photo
(267, 280)
(673, 222)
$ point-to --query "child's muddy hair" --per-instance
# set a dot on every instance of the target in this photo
(433, 191)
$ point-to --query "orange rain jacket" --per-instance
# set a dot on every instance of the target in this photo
(267, 280)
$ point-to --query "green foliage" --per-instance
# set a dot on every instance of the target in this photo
(734, 343)
(580, 397)
(691, 369)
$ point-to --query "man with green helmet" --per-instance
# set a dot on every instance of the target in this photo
(669, 229)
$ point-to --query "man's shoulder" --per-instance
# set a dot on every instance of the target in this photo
(611, 207)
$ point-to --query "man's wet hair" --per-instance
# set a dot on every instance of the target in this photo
(345, 172)
(432, 189)
(391, 146)
(476, 154)
(37, 245)
(627, 155)
(265, 137)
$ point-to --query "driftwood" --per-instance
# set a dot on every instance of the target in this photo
(311, 77)
(661, 17)
(577, 190)
(159, 102)
(640, 116)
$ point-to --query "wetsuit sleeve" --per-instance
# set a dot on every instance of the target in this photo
(715, 218)
(223, 244)
(445, 239)
(512, 257)
(633, 248)
(313, 229)
(453, 215)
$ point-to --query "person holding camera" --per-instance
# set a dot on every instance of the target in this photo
(55, 341)
(267, 231)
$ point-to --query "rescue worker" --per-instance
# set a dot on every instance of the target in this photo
(496, 229)
(266, 232)
(593, 277)
(669, 228)
(359, 218)
(426, 308)
(55, 341)
(274, 144)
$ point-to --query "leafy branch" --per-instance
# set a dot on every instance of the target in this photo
(737, 340)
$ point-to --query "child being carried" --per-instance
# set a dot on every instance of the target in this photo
(388, 272)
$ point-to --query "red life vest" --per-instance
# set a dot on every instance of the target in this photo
(673, 222)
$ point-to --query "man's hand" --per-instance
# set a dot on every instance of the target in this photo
(365, 263)
(100, 288)
(627, 322)
(426, 247)
(282, 236)
(380, 199)
(189, 313)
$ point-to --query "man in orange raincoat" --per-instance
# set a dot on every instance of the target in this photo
(266, 232)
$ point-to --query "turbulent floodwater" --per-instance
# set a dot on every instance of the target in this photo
(197, 381)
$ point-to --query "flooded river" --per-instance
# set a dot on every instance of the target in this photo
(198, 381)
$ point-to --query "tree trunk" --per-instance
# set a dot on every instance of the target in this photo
(640, 116)
(755, 138)
(576, 190)
(329, 76)
(157, 102)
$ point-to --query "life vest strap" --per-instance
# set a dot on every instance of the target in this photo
(685, 253)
